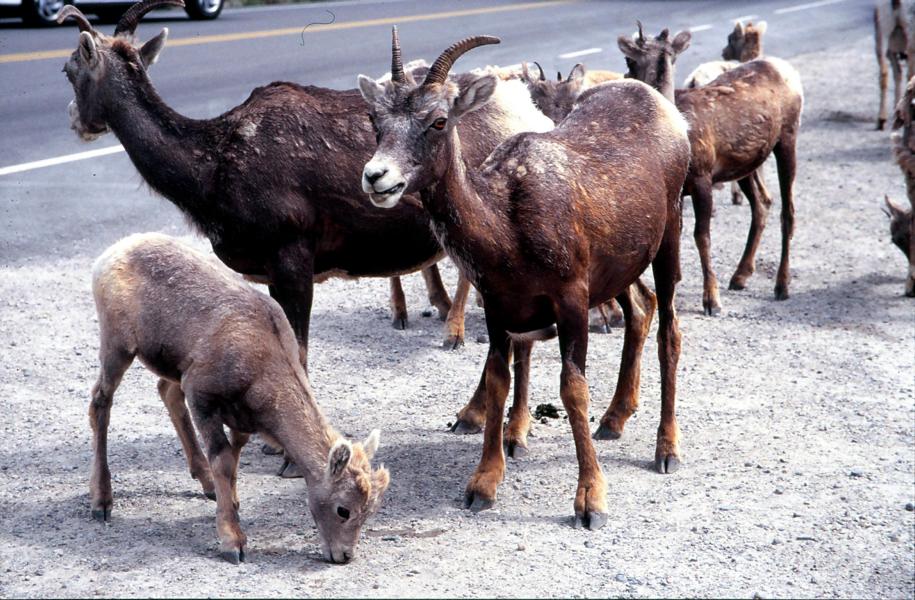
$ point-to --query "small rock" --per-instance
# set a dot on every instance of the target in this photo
(910, 506)
(620, 577)
(856, 473)
(778, 492)
(482, 339)
(589, 544)
(427, 313)
(390, 538)
(521, 548)
(893, 538)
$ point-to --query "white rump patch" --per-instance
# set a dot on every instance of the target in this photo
(514, 101)
(707, 72)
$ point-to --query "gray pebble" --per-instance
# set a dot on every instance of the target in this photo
(909, 506)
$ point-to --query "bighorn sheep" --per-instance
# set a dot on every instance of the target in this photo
(897, 52)
(555, 98)
(267, 182)
(551, 224)
(900, 225)
(904, 150)
(229, 349)
(744, 45)
(752, 111)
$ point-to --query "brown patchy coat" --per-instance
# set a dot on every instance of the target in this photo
(551, 224)
(229, 349)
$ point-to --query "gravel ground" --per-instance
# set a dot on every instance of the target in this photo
(797, 422)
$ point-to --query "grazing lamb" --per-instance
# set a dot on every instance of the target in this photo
(227, 348)
(752, 111)
(549, 225)
(904, 150)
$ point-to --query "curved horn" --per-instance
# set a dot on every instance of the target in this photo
(71, 12)
(542, 76)
(397, 75)
(130, 20)
(442, 65)
(664, 33)
(641, 33)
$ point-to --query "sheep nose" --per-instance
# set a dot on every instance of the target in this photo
(373, 175)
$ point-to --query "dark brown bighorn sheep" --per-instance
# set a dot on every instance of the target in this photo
(229, 349)
(904, 150)
(897, 53)
(744, 44)
(750, 112)
(901, 231)
(550, 225)
(268, 182)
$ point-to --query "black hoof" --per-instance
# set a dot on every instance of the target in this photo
(737, 285)
(781, 293)
(453, 342)
(592, 521)
(477, 503)
(712, 311)
(605, 433)
(516, 450)
(233, 556)
(601, 328)
(399, 324)
(880, 124)
(270, 450)
(462, 427)
(290, 470)
(210, 495)
(666, 464)
(102, 514)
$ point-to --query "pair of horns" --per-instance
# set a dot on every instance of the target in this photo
(641, 39)
(128, 23)
(438, 72)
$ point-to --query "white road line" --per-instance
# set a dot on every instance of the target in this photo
(699, 28)
(791, 9)
(744, 18)
(59, 160)
(578, 53)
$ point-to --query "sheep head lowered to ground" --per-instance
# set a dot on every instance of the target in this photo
(229, 349)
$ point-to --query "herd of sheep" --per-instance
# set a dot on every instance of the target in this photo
(553, 197)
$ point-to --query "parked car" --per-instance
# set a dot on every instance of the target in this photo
(44, 12)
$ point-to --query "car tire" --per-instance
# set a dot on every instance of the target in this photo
(41, 13)
(203, 10)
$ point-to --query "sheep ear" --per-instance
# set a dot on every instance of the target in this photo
(370, 445)
(338, 458)
(381, 478)
(738, 28)
(577, 73)
(371, 90)
(628, 47)
(761, 27)
(474, 95)
(88, 51)
(149, 52)
(681, 41)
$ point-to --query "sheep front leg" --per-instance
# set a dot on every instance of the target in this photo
(639, 305)
(480, 493)
(115, 362)
(223, 458)
(398, 305)
(454, 322)
(519, 419)
(759, 205)
(173, 398)
(292, 286)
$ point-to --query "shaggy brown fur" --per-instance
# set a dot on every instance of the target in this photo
(551, 224)
(750, 112)
(211, 337)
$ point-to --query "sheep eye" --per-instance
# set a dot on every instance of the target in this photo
(343, 512)
(439, 123)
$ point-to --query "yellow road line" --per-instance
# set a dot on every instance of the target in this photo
(253, 35)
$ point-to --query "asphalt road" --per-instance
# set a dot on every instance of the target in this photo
(82, 206)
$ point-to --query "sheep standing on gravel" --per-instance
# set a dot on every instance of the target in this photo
(229, 349)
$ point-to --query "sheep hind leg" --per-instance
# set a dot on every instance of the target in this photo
(702, 207)
(639, 305)
(173, 398)
(786, 160)
(435, 290)
(115, 362)
(759, 205)
(519, 418)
